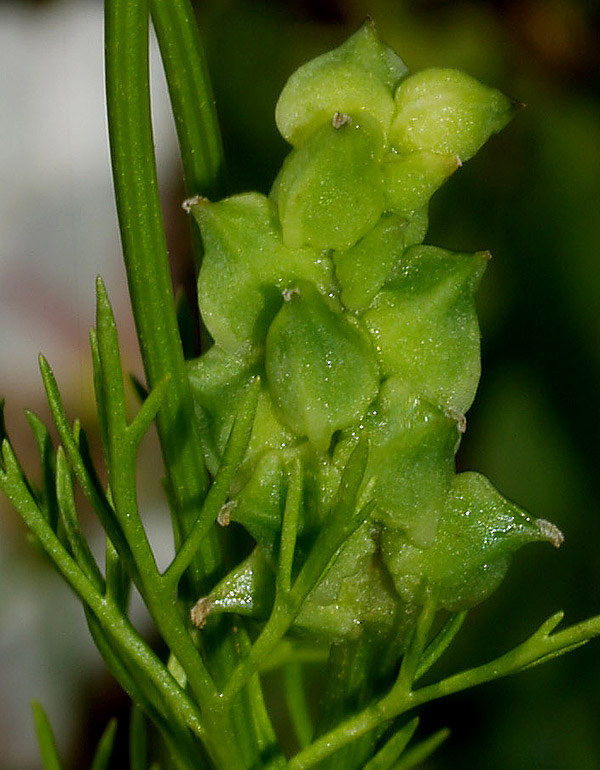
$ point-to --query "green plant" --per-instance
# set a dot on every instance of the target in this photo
(323, 421)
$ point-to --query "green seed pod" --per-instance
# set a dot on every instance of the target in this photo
(425, 328)
(411, 461)
(259, 505)
(362, 270)
(258, 502)
(358, 77)
(410, 180)
(216, 373)
(330, 191)
(383, 351)
(446, 111)
(321, 369)
(238, 295)
(249, 590)
(479, 530)
(354, 593)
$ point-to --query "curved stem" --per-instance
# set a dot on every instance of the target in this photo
(541, 646)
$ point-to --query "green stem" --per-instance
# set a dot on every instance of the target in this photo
(108, 614)
(121, 445)
(146, 262)
(297, 702)
(191, 97)
(144, 249)
(235, 451)
(540, 647)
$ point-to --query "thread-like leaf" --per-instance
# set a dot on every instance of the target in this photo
(289, 528)
(138, 740)
(419, 753)
(66, 502)
(236, 448)
(47, 463)
(440, 643)
(148, 410)
(118, 580)
(105, 747)
(191, 97)
(82, 469)
(101, 405)
(110, 363)
(46, 741)
(386, 756)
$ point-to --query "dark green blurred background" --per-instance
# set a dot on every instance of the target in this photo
(532, 197)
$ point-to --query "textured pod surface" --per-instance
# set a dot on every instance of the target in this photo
(355, 593)
(411, 461)
(330, 190)
(359, 77)
(479, 530)
(321, 370)
(410, 180)
(245, 268)
(363, 269)
(447, 111)
(362, 337)
(425, 327)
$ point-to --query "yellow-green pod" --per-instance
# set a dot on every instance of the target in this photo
(358, 78)
(355, 593)
(424, 325)
(363, 269)
(410, 180)
(477, 533)
(321, 370)
(330, 191)
(447, 111)
(412, 444)
(245, 268)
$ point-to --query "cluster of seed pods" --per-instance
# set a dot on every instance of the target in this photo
(358, 332)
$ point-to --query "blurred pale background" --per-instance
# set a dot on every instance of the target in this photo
(532, 197)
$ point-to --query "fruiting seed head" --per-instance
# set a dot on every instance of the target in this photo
(360, 334)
